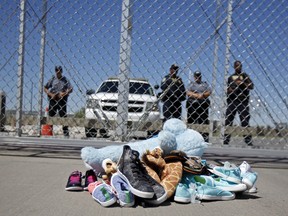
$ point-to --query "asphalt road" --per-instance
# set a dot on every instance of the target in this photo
(34, 175)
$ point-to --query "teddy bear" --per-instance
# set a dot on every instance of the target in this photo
(110, 167)
(174, 136)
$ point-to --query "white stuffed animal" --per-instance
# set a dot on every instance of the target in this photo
(174, 136)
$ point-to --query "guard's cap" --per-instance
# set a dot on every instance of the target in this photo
(197, 73)
(174, 66)
(58, 68)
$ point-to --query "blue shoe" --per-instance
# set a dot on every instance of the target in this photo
(104, 195)
(228, 174)
(249, 179)
(215, 182)
(182, 193)
(124, 195)
(205, 192)
(229, 186)
(248, 176)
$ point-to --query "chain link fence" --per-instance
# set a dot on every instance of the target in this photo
(116, 55)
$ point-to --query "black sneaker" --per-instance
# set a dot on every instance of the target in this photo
(90, 177)
(131, 170)
(160, 195)
(74, 182)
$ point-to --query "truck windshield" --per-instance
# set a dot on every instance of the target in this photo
(134, 88)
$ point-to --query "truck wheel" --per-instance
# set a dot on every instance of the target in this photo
(90, 132)
(152, 133)
(103, 133)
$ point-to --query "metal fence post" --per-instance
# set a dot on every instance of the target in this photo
(42, 63)
(21, 51)
(124, 70)
(214, 74)
(227, 62)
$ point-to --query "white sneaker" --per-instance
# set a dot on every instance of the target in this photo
(249, 179)
(245, 167)
(251, 190)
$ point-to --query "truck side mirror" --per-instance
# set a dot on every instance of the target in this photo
(90, 92)
(156, 87)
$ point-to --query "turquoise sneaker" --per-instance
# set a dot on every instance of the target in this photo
(249, 179)
(182, 193)
(229, 186)
(228, 174)
(248, 176)
(205, 192)
(215, 182)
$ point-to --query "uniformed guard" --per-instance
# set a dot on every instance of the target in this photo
(173, 94)
(58, 89)
(198, 102)
(238, 89)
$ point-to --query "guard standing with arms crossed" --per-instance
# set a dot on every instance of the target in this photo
(58, 89)
(238, 89)
(173, 94)
(198, 102)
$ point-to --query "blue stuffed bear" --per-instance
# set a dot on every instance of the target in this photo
(174, 136)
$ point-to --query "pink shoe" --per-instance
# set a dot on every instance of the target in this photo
(90, 177)
(74, 182)
(92, 186)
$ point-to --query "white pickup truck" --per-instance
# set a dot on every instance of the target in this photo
(102, 104)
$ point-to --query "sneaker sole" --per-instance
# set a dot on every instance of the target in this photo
(251, 190)
(209, 197)
(157, 201)
(235, 188)
(182, 199)
(75, 188)
(136, 192)
(123, 204)
(104, 204)
(227, 178)
(248, 183)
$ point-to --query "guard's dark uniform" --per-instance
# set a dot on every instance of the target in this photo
(238, 101)
(175, 94)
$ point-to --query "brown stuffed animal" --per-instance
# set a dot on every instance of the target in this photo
(109, 167)
(167, 174)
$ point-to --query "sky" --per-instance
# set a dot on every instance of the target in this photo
(84, 36)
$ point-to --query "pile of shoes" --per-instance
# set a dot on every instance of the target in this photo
(153, 180)
(221, 184)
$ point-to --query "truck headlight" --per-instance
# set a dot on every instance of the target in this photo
(150, 106)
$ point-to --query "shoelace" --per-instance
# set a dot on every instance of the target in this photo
(139, 170)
